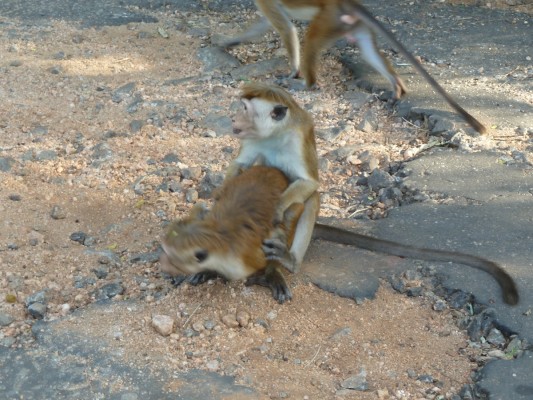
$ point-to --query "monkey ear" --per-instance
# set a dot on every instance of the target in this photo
(278, 112)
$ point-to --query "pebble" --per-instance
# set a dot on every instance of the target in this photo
(37, 310)
(495, 337)
(109, 291)
(356, 382)
(6, 319)
(230, 321)
(243, 318)
(163, 324)
(58, 213)
(213, 365)
(37, 297)
(496, 354)
(6, 163)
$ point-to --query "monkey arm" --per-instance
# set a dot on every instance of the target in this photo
(297, 192)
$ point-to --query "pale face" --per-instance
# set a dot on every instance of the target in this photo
(259, 119)
(190, 261)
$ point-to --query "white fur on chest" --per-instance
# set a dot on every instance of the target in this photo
(280, 152)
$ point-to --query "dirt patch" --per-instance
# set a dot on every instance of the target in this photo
(88, 119)
(523, 6)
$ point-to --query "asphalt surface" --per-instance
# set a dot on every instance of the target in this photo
(492, 215)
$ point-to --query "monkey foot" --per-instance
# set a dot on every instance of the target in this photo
(274, 280)
(202, 277)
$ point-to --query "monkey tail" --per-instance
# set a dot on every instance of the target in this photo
(371, 21)
(332, 234)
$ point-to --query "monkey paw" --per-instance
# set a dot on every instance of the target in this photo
(277, 250)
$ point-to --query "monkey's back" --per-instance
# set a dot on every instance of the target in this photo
(245, 211)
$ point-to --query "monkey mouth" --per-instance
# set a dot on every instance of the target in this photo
(167, 266)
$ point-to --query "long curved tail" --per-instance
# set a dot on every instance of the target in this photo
(341, 236)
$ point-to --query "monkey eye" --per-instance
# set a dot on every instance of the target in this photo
(278, 113)
(201, 255)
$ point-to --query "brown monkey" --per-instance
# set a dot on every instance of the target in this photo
(278, 133)
(227, 240)
(274, 127)
(330, 20)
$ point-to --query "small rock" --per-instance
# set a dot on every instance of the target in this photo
(439, 305)
(411, 373)
(383, 394)
(109, 291)
(356, 382)
(230, 321)
(495, 337)
(209, 324)
(425, 378)
(37, 297)
(6, 319)
(101, 272)
(191, 195)
(120, 93)
(213, 365)
(198, 326)
(496, 354)
(163, 324)
(170, 158)
(243, 318)
(58, 213)
(37, 310)
(15, 63)
(369, 122)
(379, 179)
(6, 163)
(513, 347)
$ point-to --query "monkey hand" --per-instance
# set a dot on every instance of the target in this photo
(276, 249)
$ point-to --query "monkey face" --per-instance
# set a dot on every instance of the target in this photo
(259, 119)
(175, 262)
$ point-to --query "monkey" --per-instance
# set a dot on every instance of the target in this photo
(276, 132)
(272, 125)
(331, 20)
(227, 240)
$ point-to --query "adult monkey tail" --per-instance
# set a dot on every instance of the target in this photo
(341, 236)
(352, 11)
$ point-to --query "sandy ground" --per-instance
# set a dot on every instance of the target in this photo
(78, 164)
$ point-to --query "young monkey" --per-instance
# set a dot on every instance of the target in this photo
(329, 21)
(273, 128)
(227, 240)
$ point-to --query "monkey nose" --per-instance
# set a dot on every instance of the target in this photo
(236, 131)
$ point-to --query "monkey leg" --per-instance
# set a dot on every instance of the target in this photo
(202, 277)
(287, 31)
(272, 277)
(257, 29)
(371, 54)
(275, 248)
(298, 191)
